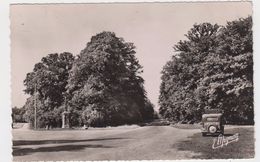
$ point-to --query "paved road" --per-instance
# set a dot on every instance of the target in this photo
(119, 143)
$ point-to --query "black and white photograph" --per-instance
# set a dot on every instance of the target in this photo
(132, 81)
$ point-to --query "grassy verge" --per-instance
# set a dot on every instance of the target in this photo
(243, 148)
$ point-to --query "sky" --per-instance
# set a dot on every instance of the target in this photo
(154, 28)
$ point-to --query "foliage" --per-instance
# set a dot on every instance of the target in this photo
(47, 87)
(18, 115)
(101, 87)
(213, 69)
(105, 83)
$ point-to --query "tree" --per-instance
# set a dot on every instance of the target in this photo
(47, 87)
(212, 70)
(233, 85)
(105, 81)
(180, 76)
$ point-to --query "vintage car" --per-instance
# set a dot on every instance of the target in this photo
(212, 124)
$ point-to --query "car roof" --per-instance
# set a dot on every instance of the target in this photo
(212, 115)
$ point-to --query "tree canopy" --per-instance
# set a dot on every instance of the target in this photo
(212, 69)
(101, 87)
(105, 81)
(47, 86)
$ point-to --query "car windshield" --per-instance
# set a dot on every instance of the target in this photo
(212, 119)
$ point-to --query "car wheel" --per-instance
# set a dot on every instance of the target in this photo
(212, 129)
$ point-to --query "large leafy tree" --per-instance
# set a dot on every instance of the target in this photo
(230, 84)
(105, 84)
(181, 74)
(46, 85)
(213, 69)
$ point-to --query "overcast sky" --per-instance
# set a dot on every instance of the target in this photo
(154, 28)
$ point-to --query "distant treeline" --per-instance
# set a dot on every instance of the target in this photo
(212, 69)
(18, 115)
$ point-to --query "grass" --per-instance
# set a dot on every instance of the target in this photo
(242, 149)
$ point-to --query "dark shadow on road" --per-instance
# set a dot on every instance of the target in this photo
(40, 142)
(25, 151)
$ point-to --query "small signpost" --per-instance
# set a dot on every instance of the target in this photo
(35, 106)
(65, 116)
(65, 119)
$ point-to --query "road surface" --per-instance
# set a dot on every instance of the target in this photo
(112, 143)
(119, 143)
